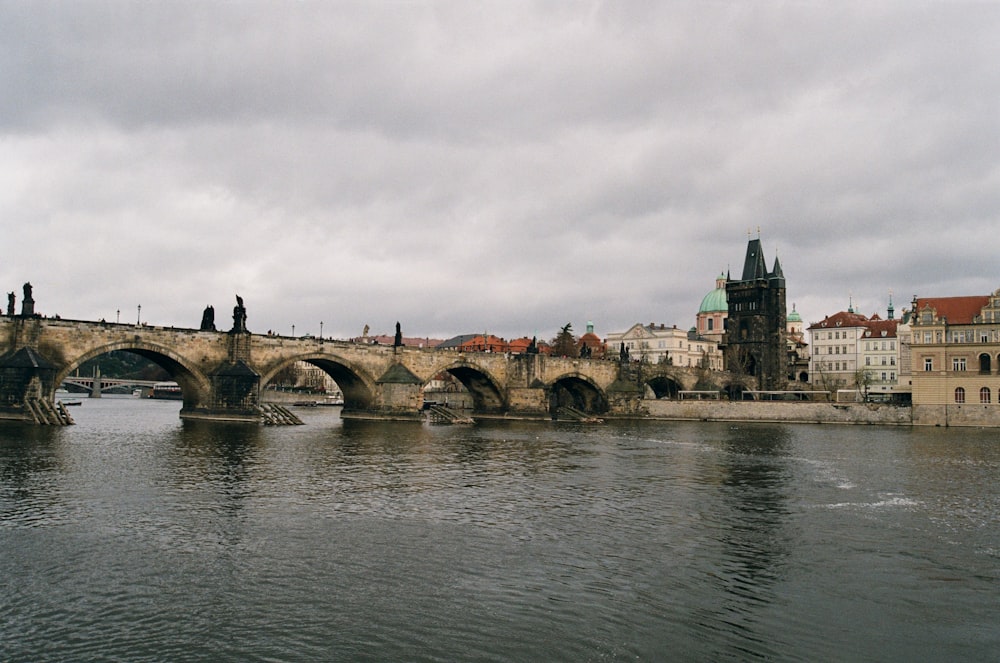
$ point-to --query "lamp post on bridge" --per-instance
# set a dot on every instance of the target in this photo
(138, 316)
(118, 317)
(321, 330)
(293, 331)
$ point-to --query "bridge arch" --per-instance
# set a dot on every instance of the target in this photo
(664, 386)
(358, 388)
(736, 391)
(195, 386)
(579, 392)
(487, 396)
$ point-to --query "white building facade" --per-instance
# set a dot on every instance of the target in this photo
(658, 344)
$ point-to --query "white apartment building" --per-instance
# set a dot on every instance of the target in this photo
(879, 348)
(852, 351)
(657, 344)
(833, 363)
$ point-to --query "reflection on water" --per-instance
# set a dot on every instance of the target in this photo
(755, 538)
(29, 468)
(137, 536)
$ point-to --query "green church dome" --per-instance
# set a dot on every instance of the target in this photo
(715, 300)
(794, 315)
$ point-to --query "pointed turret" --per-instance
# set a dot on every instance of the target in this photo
(777, 275)
(754, 266)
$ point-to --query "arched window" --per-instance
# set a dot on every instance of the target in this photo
(984, 395)
(959, 394)
(984, 364)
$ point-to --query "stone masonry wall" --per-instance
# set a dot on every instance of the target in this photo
(820, 413)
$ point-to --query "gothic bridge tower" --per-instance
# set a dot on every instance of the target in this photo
(754, 342)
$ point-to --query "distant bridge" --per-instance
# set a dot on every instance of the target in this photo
(221, 374)
(105, 384)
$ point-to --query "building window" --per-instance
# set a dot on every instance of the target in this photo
(928, 363)
(958, 363)
(959, 394)
(984, 364)
(984, 395)
(928, 338)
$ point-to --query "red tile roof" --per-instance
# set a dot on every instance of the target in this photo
(519, 345)
(877, 327)
(489, 343)
(956, 310)
(842, 319)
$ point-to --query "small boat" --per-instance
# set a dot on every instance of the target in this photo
(71, 403)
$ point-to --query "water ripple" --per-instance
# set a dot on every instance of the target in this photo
(148, 539)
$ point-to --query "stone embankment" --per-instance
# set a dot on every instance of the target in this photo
(812, 413)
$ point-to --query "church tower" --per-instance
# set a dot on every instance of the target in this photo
(756, 337)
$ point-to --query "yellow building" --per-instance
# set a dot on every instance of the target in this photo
(955, 356)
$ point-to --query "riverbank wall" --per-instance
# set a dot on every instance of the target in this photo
(781, 411)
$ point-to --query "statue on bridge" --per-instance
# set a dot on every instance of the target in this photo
(398, 340)
(10, 303)
(239, 317)
(533, 346)
(28, 303)
(208, 319)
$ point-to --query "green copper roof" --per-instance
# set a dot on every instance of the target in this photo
(714, 301)
(794, 315)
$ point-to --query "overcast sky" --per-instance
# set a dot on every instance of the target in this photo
(501, 166)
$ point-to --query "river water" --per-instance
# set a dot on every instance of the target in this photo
(134, 536)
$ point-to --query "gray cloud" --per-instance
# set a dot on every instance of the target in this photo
(499, 166)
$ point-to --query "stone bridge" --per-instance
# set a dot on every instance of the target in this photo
(221, 374)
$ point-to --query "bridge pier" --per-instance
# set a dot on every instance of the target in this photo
(530, 402)
(27, 388)
(234, 395)
(95, 387)
(397, 397)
